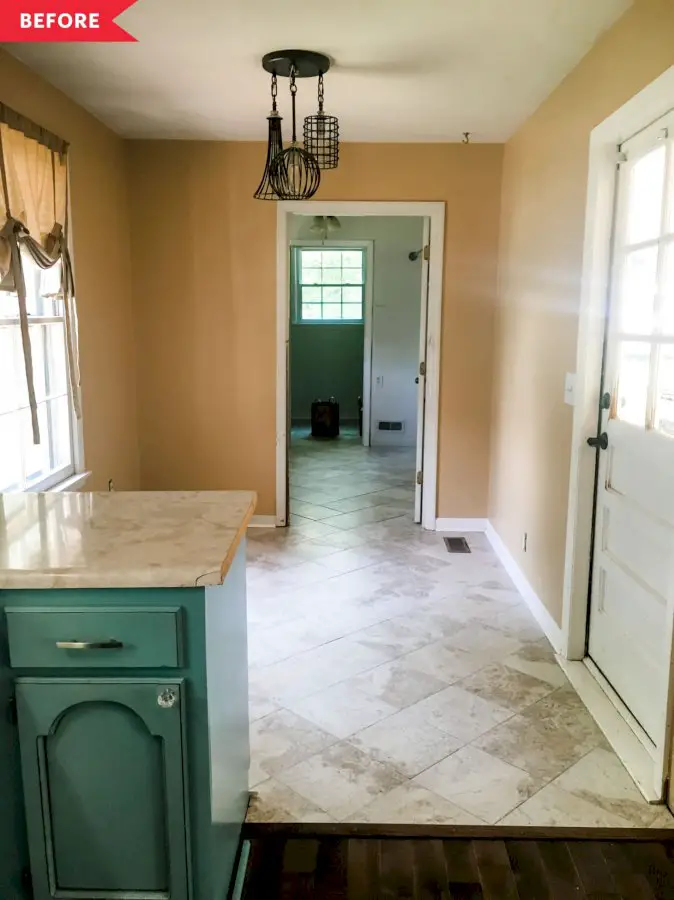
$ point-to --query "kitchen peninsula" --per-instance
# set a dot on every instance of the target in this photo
(123, 694)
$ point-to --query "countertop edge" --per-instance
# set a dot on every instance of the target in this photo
(234, 546)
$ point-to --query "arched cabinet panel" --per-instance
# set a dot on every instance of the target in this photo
(104, 777)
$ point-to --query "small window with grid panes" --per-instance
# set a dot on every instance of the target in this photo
(328, 284)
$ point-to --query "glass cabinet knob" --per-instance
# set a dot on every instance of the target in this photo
(168, 698)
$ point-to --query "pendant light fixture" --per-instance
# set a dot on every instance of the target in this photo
(321, 133)
(265, 191)
(293, 173)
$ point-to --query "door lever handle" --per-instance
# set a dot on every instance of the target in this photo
(600, 442)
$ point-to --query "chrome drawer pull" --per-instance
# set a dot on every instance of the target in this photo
(112, 644)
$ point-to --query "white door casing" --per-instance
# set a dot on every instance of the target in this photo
(421, 370)
(632, 598)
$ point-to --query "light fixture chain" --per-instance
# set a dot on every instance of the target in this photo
(274, 91)
(293, 92)
(321, 92)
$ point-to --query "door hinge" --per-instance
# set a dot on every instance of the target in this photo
(427, 252)
(422, 368)
(11, 710)
(620, 156)
(420, 477)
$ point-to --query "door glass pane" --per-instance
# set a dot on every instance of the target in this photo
(638, 291)
(664, 399)
(633, 369)
(645, 196)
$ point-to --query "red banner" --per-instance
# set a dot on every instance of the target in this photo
(63, 20)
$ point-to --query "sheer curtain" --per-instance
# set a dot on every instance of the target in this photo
(34, 213)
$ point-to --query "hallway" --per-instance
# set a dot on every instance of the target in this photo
(392, 682)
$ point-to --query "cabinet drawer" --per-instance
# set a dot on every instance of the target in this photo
(110, 638)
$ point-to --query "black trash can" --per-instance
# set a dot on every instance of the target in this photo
(325, 418)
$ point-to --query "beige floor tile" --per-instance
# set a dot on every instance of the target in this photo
(342, 709)
(273, 801)
(506, 686)
(547, 737)
(397, 684)
(342, 779)
(407, 741)
(412, 804)
(538, 660)
(554, 807)
(479, 783)
(364, 516)
(281, 739)
(399, 636)
(311, 510)
(443, 662)
(492, 644)
(462, 714)
(601, 779)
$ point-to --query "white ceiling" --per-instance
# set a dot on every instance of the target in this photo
(405, 70)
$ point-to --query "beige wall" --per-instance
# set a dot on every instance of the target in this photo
(204, 281)
(100, 226)
(543, 206)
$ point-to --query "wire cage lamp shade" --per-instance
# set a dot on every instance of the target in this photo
(321, 134)
(294, 173)
(265, 191)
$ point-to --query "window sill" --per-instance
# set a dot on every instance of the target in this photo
(73, 483)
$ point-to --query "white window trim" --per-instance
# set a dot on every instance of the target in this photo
(638, 114)
(365, 246)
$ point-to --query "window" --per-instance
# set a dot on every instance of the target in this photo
(328, 284)
(23, 464)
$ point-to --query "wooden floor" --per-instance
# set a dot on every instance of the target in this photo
(329, 866)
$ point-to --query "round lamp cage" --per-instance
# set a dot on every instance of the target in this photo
(321, 134)
(294, 173)
(265, 191)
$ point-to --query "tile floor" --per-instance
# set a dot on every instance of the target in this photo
(392, 682)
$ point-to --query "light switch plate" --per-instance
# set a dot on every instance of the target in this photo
(570, 389)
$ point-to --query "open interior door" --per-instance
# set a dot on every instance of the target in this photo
(421, 372)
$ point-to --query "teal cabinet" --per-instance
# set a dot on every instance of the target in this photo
(104, 774)
(124, 773)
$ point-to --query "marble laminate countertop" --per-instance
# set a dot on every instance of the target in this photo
(120, 539)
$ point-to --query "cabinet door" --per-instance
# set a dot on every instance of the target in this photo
(104, 784)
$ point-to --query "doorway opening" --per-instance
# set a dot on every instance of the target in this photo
(358, 361)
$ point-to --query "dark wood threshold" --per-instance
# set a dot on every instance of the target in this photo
(309, 831)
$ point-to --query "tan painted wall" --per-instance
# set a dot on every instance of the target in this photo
(100, 226)
(543, 207)
(204, 281)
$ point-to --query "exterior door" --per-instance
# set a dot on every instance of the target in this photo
(103, 778)
(632, 599)
(421, 375)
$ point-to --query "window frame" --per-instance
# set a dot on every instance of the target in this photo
(74, 471)
(296, 247)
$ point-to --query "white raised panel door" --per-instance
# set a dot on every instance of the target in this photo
(632, 599)
(421, 372)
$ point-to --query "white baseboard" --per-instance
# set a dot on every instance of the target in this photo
(262, 522)
(461, 524)
(539, 611)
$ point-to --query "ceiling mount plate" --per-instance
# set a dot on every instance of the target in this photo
(307, 63)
